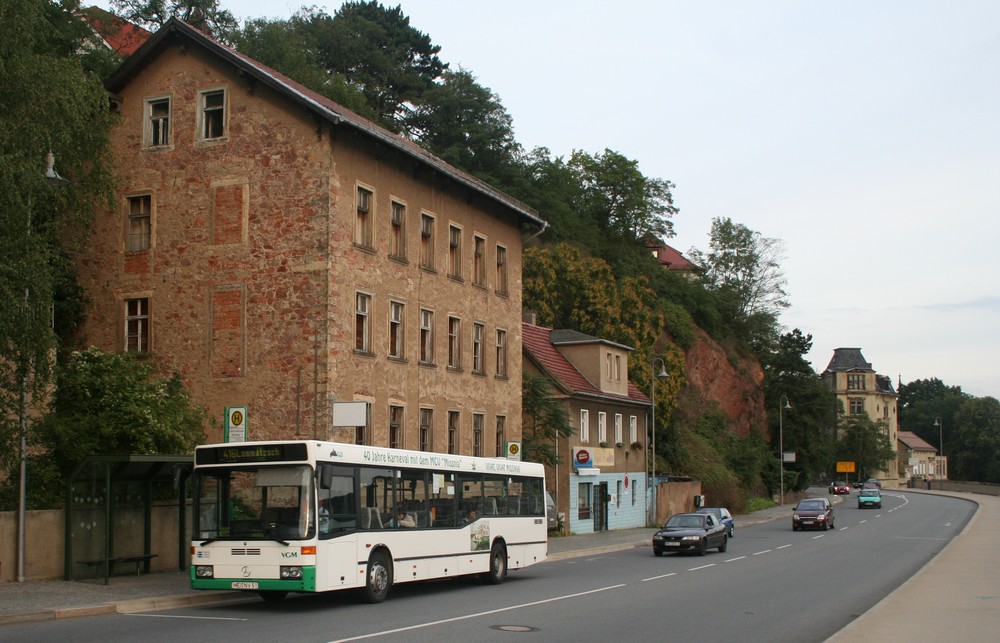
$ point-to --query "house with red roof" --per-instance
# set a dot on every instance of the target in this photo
(601, 481)
(918, 460)
(117, 34)
(672, 259)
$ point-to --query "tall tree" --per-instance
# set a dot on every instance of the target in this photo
(745, 266)
(545, 420)
(974, 451)
(205, 15)
(377, 50)
(928, 408)
(466, 125)
(866, 443)
(285, 46)
(619, 199)
(50, 103)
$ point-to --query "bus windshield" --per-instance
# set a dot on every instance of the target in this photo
(266, 502)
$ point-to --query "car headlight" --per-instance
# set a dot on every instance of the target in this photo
(204, 571)
(291, 573)
(691, 538)
(795, 516)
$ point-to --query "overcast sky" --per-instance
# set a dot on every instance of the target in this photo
(865, 135)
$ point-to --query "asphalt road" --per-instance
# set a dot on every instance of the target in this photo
(772, 585)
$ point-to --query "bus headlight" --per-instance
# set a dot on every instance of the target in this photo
(291, 573)
(204, 571)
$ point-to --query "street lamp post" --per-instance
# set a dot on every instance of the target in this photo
(53, 179)
(781, 445)
(653, 375)
(940, 425)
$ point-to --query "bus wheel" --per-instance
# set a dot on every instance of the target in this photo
(379, 578)
(498, 565)
(272, 595)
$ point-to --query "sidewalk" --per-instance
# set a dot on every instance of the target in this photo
(919, 609)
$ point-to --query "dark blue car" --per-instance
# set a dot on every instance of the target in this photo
(724, 517)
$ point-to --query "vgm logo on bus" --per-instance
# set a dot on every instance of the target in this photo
(289, 554)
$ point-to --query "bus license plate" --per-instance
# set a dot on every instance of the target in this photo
(242, 584)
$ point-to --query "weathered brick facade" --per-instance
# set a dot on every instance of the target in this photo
(249, 283)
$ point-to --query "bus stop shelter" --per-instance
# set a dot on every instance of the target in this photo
(109, 512)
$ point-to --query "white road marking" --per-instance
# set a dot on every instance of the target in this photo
(658, 577)
(761, 552)
(478, 614)
(202, 618)
(737, 558)
(694, 569)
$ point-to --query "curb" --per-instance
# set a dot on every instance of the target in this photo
(134, 606)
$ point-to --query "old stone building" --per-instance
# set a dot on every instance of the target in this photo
(282, 253)
(862, 391)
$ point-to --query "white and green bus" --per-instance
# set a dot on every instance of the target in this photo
(310, 516)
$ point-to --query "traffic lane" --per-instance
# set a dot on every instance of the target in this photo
(583, 597)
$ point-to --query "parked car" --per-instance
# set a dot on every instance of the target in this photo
(839, 487)
(724, 517)
(691, 532)
(870, 498)
(812, 513)
(551, 514)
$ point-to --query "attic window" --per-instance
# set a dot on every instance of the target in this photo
(158, 111)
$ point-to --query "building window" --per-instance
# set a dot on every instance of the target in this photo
(364, 220)
(137, 326)
(213, 114)
(359, 435)
(138, 223)
(397, 239)
(478, 420)
(618, 428)
(158, 112)
(427, 241)
(395, 427)
(584, 426)
(855, 381)
(501, 437)
(396, 329)
(453, 419)
(454, 342)
(479, 262)
(362, 323)
(426, 429)
(454, 252)
(633, 429)
(502, 270)
(857, 405)
(501, 353)
(618, 368)
(583, 501)
(478, 331)
(607, 366)
(426, 337)
(602, 427)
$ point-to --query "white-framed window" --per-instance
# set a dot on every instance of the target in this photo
(602, 426)
(633, 429)
(364, 219)
(362, 322)
(454, 252)
(478, 422)
(139, 226)
(501, 353)
(479, 261)
(158, 122)
(454, 342)
(584, 426)
(397, 329)
(426, 241)
(618, 428)
(426, 336)
(397, 235)
(137, 325)
(501, 270)
(478, 335)
(213, 114)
